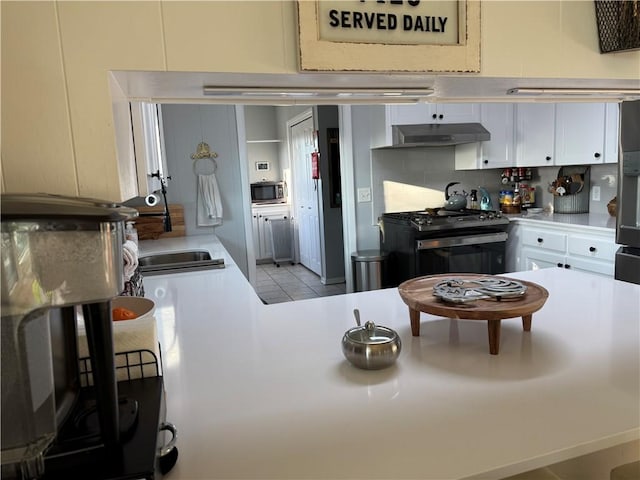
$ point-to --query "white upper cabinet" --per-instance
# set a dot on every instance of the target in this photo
(499, 152)
(535, 134)
(579, 133)
(416, 113)
(611, 132)
(148, 142)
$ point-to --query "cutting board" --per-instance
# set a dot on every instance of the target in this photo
(151, 228)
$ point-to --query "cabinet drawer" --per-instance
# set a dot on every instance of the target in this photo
(591, 266)
(596, 248)
(547, 240)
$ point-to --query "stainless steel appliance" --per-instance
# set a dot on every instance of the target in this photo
(268, 192)
(62, 416)
(627, 266)
(437, 134)
(438, 241)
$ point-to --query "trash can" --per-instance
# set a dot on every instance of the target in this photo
(368, 268)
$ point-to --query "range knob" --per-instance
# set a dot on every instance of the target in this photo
(490, 215)
(481, 216)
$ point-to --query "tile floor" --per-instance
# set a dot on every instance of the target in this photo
(291, 282)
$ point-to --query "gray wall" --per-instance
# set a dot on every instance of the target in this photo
(184, 127)
(261, 125)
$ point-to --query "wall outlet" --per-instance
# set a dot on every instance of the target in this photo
(595, 193)
(364, 195)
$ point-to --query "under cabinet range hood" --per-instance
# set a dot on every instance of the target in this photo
(437, 134)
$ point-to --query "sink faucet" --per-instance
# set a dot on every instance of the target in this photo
(166, 216)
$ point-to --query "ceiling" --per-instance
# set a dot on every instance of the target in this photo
(184, 87)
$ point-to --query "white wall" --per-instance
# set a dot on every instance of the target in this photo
(184, 127)
(261, 125)
(56, 56)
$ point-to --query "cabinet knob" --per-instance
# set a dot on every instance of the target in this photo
(266, 219)
(560, 265)
(567, 266)
(597, 155)
(441, 116)
(547, 158)
(434, 116)
(540, 240)
(485, 161)
(255, 216)
(592, 249)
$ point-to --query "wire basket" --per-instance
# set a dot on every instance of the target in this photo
(129, 366)
(618, 25)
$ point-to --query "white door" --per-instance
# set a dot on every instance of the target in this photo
(305, 193)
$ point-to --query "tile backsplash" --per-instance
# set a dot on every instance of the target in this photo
(415, 178)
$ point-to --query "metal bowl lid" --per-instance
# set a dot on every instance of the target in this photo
(47, 206)
(371, 334)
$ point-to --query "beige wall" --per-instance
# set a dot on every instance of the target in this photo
(57, 112)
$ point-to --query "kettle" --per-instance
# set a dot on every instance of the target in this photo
(485, 199)
(455, 201)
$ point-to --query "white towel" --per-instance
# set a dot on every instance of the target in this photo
(130, 258)
(209, 205)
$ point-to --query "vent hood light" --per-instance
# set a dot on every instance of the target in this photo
(610, 93)
(335, 95)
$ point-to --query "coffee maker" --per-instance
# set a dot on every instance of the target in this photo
(61, 261)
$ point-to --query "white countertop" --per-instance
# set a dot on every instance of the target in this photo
(596, 221)
(263, 391)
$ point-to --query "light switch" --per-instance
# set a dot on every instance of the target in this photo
(364, 195)
(595, 193)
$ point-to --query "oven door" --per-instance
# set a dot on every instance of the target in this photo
(476, 253)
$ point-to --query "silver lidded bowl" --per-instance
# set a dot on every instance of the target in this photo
(371, 347)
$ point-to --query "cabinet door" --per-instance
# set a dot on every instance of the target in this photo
(611, 132)
(455, 112)
(499, 152)
(580, 133)
(535, 133)
(414, 113)
(255, 226)
(535, 259)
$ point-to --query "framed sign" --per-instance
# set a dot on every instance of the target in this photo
(263, 166)
(389, 35)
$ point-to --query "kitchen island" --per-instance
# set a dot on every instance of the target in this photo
(263, 391)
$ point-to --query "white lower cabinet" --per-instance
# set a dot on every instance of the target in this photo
(577, 248)
(262, 228)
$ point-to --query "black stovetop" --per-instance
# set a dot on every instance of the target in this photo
(439, 219)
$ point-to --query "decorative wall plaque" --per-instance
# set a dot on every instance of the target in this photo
(391, 35)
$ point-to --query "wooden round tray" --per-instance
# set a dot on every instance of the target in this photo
(417, 293)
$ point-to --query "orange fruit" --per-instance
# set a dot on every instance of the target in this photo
(121, 313)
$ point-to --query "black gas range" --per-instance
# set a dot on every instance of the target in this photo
(435, 241)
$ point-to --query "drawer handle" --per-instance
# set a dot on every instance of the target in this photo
(540, 240)
(592, 249)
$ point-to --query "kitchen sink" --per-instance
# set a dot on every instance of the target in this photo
(188, 261)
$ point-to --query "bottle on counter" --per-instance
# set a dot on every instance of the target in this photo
(473, 200)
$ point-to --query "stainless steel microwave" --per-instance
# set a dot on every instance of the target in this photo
(268, 192)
